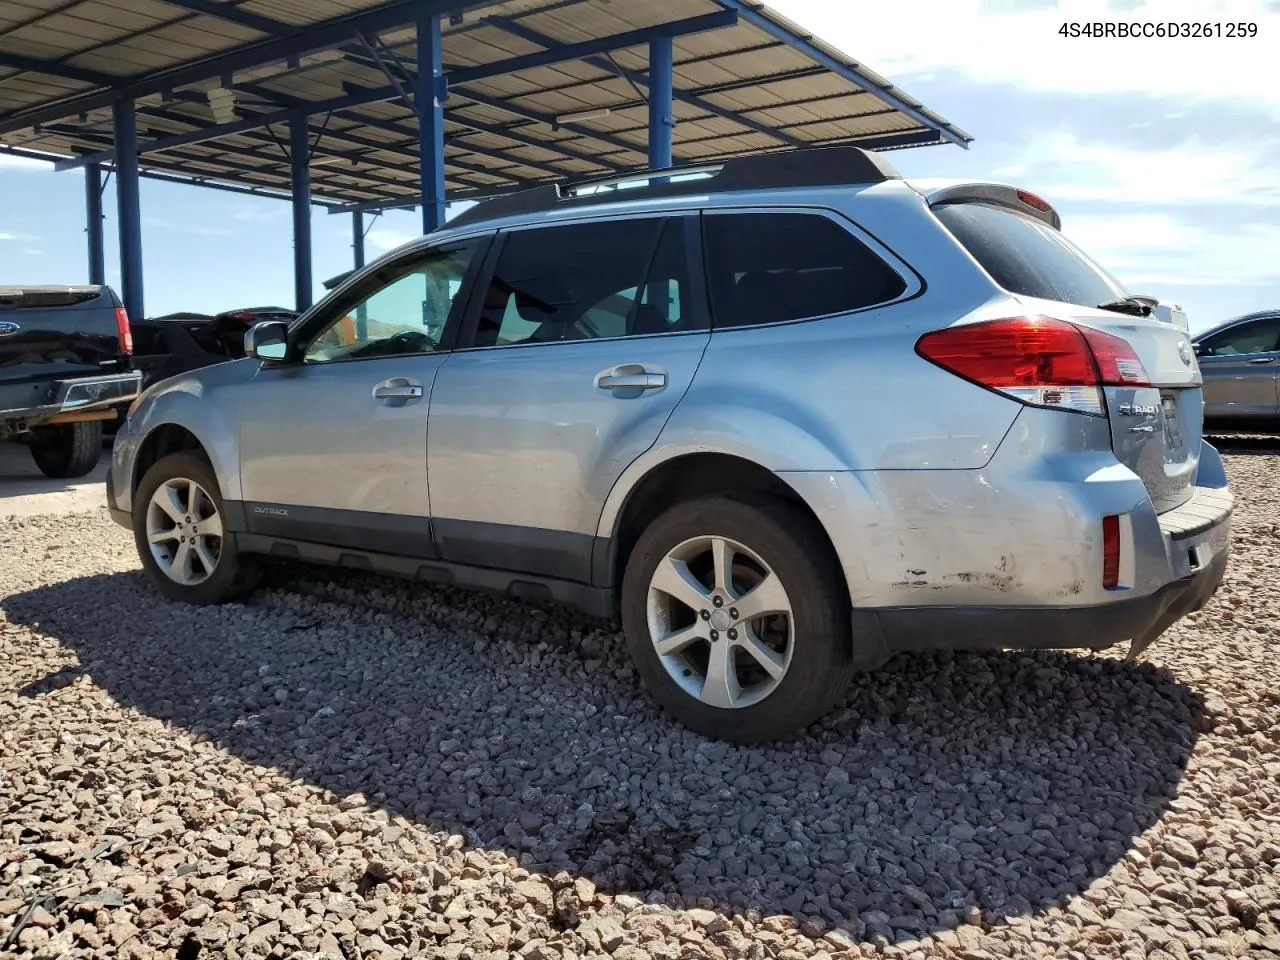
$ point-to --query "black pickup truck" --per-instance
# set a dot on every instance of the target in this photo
(65, 368)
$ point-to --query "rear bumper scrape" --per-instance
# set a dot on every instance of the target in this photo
(1197, 540)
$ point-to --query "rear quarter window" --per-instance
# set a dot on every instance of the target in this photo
(1027, 257)
(777, 267)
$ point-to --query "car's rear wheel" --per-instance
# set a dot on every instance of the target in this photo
(179, 526)
(736, 618)
(67, 450)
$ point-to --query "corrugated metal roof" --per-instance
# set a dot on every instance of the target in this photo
(758, 84)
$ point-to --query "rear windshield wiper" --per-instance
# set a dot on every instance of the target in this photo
(1135, 305)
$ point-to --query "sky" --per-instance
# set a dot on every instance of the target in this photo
(1162, 156)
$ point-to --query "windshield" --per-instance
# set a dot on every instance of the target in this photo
(1027, 257)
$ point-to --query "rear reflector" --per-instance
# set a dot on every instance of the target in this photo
(1110, 552)
(1037, 360)
(124, 331)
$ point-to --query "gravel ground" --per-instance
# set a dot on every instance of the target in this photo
(367, 769)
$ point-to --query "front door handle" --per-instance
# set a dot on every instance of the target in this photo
(630, 379)
(398, 388)
(1263, 360)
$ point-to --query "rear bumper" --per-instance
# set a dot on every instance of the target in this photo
(49, 399)
(1197, 541)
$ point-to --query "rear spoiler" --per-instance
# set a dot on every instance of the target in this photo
(1014, 198)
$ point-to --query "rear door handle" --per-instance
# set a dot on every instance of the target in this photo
(1263, 360)
(626, 381)
(397, 388)
(631, 379)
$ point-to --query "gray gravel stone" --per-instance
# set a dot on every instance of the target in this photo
(346, 766)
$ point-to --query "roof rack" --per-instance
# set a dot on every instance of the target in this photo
(806, 167)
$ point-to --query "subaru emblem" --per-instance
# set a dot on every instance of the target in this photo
(8, 328)
(1184, 351)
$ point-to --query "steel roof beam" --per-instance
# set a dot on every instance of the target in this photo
(358, 96)
(560, 53)
(634, 76)
(63, 71)
(751, 13)
(301, 41)
(533, 115)
(233, 14)
(409, 132)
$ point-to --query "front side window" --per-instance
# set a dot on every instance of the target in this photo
(406, 316)
(1260, 336)
(776, 267)
(588, 281)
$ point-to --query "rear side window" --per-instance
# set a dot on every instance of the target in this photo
(1027, 257)
(774, 267)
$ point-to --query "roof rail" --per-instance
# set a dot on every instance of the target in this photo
(805, 167)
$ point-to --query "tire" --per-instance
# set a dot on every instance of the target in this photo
(67, 450)
(789, 543)
(232, 575)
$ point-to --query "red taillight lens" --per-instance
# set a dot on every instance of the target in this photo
(1022, 352)
(123, 331)
(1038, 360)
(1118, 365)
(242, 315)
(1110, 552)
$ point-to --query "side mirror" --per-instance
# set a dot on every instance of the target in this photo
(267, 341)
(1202, 350)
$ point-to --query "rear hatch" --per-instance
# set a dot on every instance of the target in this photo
(58, 332)
(1155, 427)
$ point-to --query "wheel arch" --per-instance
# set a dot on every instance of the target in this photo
(684, 476)
(161, 441)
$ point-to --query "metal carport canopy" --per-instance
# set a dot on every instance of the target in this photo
(225, 93)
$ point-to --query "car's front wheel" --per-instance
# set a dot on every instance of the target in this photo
(179, 526)
(736, 618)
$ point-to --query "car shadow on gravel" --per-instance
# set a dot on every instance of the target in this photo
(945, 784)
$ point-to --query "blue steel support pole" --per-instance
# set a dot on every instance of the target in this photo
(661, 115)
(357, 251)
(357, 238)
(428, 97)
(93, 223)
(128, 204)
(299, 159)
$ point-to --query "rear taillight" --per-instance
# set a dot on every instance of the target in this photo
(1110, 552)
(123, 331)
(1037, 360)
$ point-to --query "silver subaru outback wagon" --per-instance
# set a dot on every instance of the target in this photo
(785, 417)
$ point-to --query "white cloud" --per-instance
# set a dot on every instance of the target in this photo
(1062, 167)
(1149, 251)
(388, 238)
(15, 236)
(34, 253)
(1022, 47)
